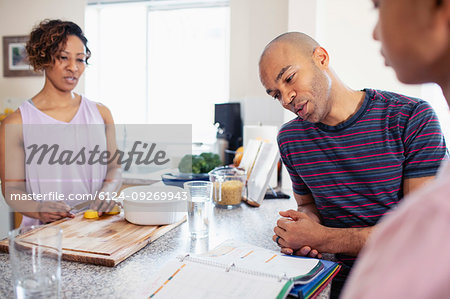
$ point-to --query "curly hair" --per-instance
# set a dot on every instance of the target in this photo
(48, 38)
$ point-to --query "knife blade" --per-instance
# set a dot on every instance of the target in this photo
(81, 206)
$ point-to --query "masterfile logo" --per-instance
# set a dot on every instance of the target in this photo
(55, 155)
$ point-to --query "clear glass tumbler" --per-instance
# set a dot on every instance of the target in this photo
(35, 257)
(199, 198)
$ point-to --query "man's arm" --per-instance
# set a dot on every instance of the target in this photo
(306, 204)
(302, 228)
(409, 185)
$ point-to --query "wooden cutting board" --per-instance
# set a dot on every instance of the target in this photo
(105, 241)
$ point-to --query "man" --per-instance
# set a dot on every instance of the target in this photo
(408, 255)
(351, 155)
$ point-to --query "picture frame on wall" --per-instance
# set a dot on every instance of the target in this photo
(15, 62)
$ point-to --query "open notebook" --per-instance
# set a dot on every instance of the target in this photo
(234, 270)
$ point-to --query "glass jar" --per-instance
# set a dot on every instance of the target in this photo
(228, 186)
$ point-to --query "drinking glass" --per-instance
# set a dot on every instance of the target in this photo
(199, 198)
(35, 257)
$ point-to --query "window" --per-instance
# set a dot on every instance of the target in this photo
(116, 75)
(165, 63)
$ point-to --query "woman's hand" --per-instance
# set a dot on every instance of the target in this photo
(49, 211)
(102, 206)
(103, 203)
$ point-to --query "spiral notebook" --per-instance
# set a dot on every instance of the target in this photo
(233, 270)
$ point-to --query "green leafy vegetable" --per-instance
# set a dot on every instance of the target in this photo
(202, 163)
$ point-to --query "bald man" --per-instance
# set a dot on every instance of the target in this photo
(351, 154)
(408, 255)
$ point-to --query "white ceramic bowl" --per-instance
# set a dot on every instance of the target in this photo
(154, 205)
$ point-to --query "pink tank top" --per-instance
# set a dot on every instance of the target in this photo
(65, 174)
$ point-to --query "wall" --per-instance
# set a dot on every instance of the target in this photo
(346, 32)
(254, 23)
(17, 17)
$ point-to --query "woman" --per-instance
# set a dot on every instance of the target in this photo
(40, 141)
(408, 255)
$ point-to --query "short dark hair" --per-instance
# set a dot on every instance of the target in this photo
(48, 38)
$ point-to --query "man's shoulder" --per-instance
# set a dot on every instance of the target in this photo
(393, 98)
(388, 102)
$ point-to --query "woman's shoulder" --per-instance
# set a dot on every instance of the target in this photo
(13, 118)
(105, 113)
(102, 109)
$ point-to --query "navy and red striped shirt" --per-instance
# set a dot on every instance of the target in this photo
(355, 170)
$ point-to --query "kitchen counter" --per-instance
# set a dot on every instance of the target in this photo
(130, 279)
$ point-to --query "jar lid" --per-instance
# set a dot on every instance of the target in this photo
(227, 171)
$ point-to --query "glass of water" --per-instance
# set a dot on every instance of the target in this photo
(199, 198)
(35, 256)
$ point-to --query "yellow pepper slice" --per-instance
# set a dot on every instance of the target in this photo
(114, 211)
(90, 214)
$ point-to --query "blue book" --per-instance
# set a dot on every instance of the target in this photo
(315, 286)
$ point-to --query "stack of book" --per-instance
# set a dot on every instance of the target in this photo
(239, 270)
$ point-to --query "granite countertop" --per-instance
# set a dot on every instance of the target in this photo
(130, 279)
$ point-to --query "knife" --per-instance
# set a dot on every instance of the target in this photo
(81, 206)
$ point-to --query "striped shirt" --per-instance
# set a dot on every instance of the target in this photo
(355, 170)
